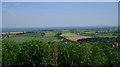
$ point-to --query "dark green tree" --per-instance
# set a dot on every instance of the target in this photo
(10, 50)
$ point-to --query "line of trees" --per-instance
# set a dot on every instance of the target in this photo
(58, 54)
(101, 41)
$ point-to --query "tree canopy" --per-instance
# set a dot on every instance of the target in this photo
(59, 54)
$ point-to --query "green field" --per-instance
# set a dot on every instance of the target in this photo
(50, 34)
(49, 48)
(20, 38)
(23, 39)
(28, 35)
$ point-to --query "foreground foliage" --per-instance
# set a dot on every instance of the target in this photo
(59, 54)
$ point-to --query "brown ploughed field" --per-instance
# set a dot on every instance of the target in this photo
(73, 36)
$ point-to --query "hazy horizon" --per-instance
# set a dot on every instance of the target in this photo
(59, 14)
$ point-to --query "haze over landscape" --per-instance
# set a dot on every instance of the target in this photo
(59, 14)
(60, 34)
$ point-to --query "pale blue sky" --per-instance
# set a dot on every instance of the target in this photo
(59, 14)
(0, 16)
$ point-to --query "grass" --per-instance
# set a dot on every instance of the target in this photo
(29, 35)
(50, 34)
(47, 39)
(20, 38)
(87, 34)
(23, 39)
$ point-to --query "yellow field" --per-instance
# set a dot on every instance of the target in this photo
(73, 36)
(10, 32)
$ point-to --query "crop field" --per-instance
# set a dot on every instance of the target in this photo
(60, 34)
(50, 35)
(20, 38)
(23, 39)
(28, 35)
(56, 46)
(74, 37)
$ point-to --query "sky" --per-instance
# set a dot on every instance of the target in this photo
(0, 16)
(59, 0)
(59, 14)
